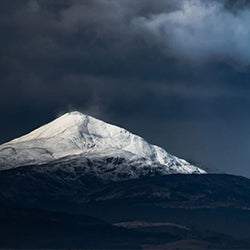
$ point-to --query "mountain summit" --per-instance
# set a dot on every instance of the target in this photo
(76, 139)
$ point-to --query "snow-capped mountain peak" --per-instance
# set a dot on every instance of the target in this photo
(68, 125)
(81, 136)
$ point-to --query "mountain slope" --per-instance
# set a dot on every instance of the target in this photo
(25, 228)
(213, 202)
(75, 139)
(33, 186)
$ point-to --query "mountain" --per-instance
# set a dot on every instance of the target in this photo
(78, 179)
(75, 141)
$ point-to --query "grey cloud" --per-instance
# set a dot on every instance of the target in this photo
(201, 31)
(191, 30)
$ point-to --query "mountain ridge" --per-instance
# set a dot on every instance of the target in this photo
(75, 136)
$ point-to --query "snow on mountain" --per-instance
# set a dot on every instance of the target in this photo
(75, 139)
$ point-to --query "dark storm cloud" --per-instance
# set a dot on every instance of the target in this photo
(139, 64)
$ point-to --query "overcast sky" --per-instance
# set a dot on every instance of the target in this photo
(175, 72)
